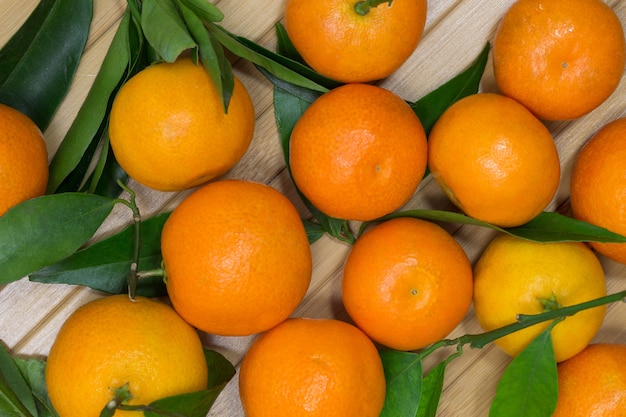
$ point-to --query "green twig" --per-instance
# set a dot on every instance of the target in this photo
(132, 274)
(523, 321)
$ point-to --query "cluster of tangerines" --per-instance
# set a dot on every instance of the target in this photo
(236, 254)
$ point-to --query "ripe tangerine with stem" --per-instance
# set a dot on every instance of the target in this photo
(355, 40)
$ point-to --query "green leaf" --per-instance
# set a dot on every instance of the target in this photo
(44, 230)
(41, 58)
(165, 29)
(197, 404)
(403, 373)
(220, 369)
(288, 107)
(555, 227)
(432, 105)
(104, 266)
(273, 63)
(204, 10)
(15, 394)
(33, 371)
(432, 385)
(529, 387)
(82, 138)
(314, 230)
(108, 173)
(212, 56)
(546, 227)
(285, 47)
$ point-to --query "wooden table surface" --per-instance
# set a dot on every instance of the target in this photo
(456, 31)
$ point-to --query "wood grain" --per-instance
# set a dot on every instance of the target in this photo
(456, 31)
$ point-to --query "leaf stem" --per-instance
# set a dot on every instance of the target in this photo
(157, 272)
(522, 321)
(131, 203)
(363, 7)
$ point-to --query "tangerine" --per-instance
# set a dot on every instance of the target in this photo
(23, 159)
(598, 185)
(407, 283)
(515, 276)
(237, 258)
(169, 131)
(355, 41)
(496, 161)
(358, 152)
(113, 341)
(593, 383)
(312, 367)
(559, 58)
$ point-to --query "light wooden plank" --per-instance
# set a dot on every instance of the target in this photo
(456, 31)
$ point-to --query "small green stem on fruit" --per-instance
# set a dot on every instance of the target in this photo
(132, 274)
(157, 272)
(346, 234)
(550, 304)
(363, 7)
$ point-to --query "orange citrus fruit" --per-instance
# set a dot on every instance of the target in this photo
(350, 41)
(23, 159)
(168, 127)
(598, 185)
(113, 341)
(494, 159)
(407, 283)
(593, 383)
(515, 276)
(559, 58)
(237, 258)
(312, 367)
(358, 152)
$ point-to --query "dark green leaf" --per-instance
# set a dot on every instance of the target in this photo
(432, 105)
(197, 404)
(90, 123)
(220, 369)
(314, 231)
(204, 10)
(288, 107)
(40, 60)
(403, 373)
(105, 177)
(529, 387)
(211, 55)
(165, 29)
(33, 371)
(284, 46)
(272, 62)
(550, 226)
(104, 265)
(15, 395)
(546, 227)
(46, 229)
(432, 385)
(75, 180)
(302, 96)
